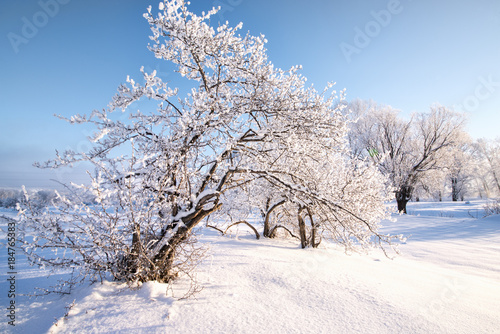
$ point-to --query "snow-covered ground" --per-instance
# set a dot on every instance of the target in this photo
(447, 280)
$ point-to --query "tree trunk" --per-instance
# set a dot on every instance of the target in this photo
(314, 228)
(486, 188)
(163, 259)
(302, 228)
(136, 240)
(402, 205)
(403, 195)
(496, 178)
(454, 189)
(265, 218)
(492, 167)
(267, 227)
(133, 258)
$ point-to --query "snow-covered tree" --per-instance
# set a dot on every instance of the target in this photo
(460, 170)
(454, 179)
(487, 171)
(244, 124)
(405, 149)
(432, 184)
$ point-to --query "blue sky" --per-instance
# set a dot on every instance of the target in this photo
(69, 56)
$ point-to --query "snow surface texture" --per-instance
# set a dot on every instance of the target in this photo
(447, 280)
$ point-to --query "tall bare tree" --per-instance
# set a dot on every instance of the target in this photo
(406, 150)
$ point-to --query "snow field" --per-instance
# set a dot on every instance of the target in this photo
(447, 280)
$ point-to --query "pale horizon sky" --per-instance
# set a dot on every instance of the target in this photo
(69, 56)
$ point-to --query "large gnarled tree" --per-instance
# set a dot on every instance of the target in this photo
(158, 174)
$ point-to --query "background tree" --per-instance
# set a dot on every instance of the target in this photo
(488, 157)
(460, 170)
(432, 185)
(406, 149)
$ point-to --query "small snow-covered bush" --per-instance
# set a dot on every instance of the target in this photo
(492, 207)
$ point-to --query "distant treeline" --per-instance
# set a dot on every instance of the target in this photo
(10, 197)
